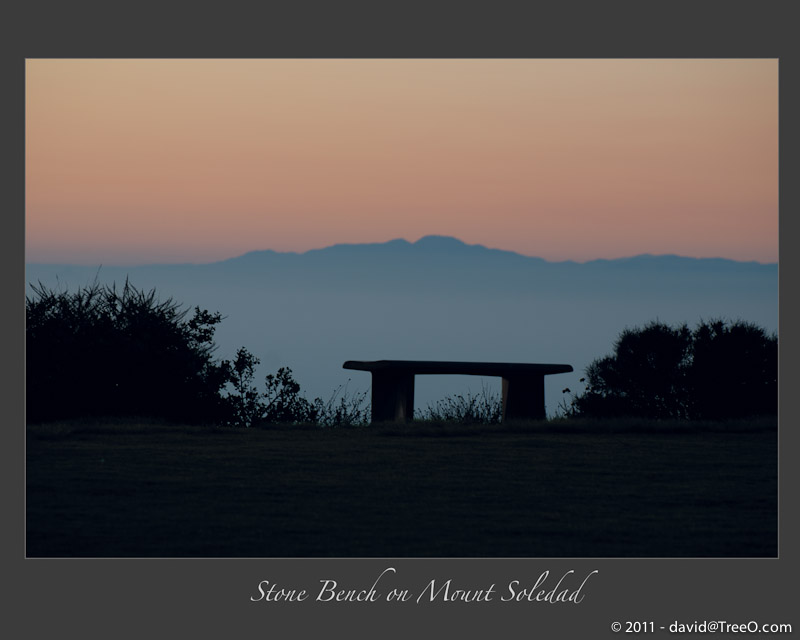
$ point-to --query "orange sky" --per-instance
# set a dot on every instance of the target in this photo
(135, 161)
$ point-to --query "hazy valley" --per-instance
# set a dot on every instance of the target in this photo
(439, 298)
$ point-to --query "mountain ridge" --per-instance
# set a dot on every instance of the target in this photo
(442, 244)
(430, 253)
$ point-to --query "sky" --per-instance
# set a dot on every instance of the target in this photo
(142, 161)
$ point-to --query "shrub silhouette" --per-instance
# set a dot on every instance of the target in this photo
(646, 376)
(102, 352)
(720, 370)
(284, 404)
(734, 371)
(99, 351)
(246, 406)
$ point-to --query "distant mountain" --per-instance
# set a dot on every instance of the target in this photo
(444, 248)
(433, 263)
(427, 247)
(671, 261)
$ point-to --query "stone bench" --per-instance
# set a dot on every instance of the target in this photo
(393, 385)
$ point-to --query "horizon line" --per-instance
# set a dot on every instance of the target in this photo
(392, 241)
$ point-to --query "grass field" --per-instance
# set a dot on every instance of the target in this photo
(111, 489)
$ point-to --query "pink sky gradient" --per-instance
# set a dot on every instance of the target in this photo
(136, 161)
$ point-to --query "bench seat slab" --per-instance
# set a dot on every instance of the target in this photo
(393, 385)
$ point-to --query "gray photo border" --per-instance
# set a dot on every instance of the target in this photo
(212, 598)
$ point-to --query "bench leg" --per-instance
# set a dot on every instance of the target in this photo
(392, 397)
(523, 398)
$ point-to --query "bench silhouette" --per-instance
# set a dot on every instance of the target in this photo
(393, 385)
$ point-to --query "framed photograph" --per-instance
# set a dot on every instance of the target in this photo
(385, 338)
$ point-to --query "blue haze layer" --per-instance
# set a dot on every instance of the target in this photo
(439, 299)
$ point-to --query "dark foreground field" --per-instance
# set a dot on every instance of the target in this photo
(145, 490)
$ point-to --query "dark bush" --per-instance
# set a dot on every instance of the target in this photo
(102, 352)
(99, 351)
(720, 370)
(734, 371)
(245, 403)
(283, 402)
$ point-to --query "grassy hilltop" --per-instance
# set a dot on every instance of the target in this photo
(555, 489)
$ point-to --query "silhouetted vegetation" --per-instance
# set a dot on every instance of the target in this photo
(343, 409)
(282, 402)
(245, 402)
(100, 351)
(103, 352)
(734, 371)
(482, 408)
(720, 370)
